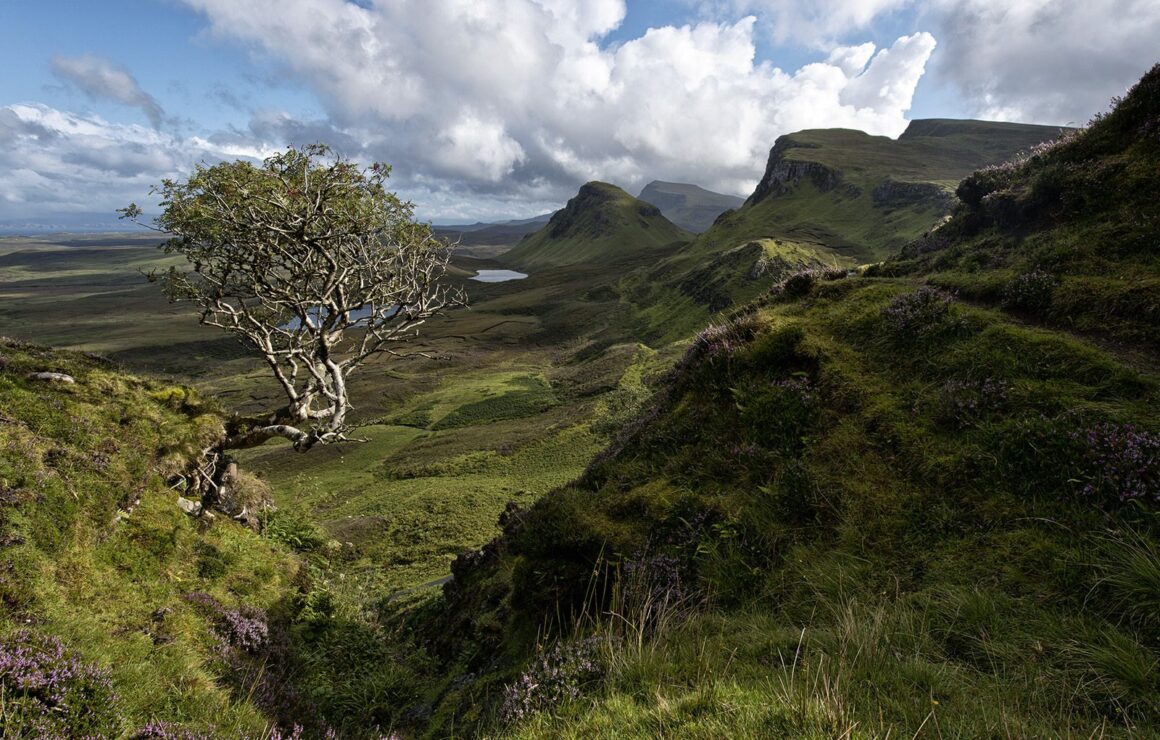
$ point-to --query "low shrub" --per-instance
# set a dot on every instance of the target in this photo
(719, 341)
(1122, 463)
(48, 691)
(560, 674)
(1031, 291)
(243, 628)
(965, 403)
(798, 284)
(293, 529)
(925, 312)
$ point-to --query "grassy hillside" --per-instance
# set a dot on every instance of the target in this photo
(668, 305)
(862, 506)
(118, 612)
(600, 223)
(1066, 235)
(840, 197)
(515, 398)
(865, 196)
(691, 207)
(922, 501)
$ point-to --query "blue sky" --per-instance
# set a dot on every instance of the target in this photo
(501, 109)
(163, 44)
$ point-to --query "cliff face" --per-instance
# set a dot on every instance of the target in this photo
(782, 174)
(895, 194)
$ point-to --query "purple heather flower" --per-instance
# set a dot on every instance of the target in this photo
(1122, 461)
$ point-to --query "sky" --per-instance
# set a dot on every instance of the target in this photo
(497, 109)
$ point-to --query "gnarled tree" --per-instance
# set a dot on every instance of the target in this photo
(310, 260)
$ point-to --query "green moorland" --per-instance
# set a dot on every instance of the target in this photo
(512, 400)
(918, 501)
(116, 608)
(74, 290)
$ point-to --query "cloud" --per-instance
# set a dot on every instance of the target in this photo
(818, 24)
(499, 109)
(61, 162)
(477, 148)
(521, 97)
(1037, 61)
(58, 161)
(1044, 61)
(100, 78)
(887, 85)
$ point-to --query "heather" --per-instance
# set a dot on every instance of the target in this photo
(872, 507)
(1065, 234)
(50, 692)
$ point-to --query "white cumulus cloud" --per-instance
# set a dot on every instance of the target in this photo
(100, 78)
(58, 161)
(502, 108)
(519, 96)
(1044, 61)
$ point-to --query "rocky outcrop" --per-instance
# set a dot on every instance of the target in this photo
(239, 495)
(782, 175)
(896, 194)
(50, 377)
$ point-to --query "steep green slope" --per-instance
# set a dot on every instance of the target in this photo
(689, 206)
(863, 506)
(600, 223)
(1068, 234)
(122, 616)
(119, 602)
(667, 303)
(865, 196)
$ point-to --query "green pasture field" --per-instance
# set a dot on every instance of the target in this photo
(494, 411)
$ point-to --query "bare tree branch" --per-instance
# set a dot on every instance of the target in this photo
(313, 263)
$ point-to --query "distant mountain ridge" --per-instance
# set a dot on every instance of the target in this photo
(491, 234)
(601, 222)
(691, 207)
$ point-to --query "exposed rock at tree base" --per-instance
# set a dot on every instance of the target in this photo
(189, 506)
(50, 377)
(239, 495)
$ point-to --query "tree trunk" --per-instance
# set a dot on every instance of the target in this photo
(255, 436)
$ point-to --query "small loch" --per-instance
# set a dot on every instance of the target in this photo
(497, 276)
